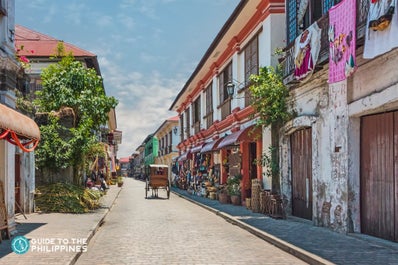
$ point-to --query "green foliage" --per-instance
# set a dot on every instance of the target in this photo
(96, 150)
(24, 104)
(269, 96)
(269, 161)
(53, 152)
(233, 185)
(270, 99)
(70, 84)
(66, 198)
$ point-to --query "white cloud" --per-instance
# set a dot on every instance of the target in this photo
(143, 102)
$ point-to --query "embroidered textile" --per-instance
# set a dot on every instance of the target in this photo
(342, 26)
(306, 51)
(382, 30)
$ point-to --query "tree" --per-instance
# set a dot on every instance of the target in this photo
(70, 84)
(270, 100)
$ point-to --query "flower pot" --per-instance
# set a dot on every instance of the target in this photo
(223, 198)
(235, 200)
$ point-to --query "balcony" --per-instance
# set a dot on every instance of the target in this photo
(287, 62)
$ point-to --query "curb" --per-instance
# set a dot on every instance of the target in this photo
(285, 246)
(96, 227)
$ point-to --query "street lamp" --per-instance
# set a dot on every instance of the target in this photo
(175, 129)
(231, 86)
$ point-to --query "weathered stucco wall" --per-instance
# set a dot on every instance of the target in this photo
(322, 107)
(373, 89)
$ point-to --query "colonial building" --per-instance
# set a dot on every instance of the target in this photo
(167, 135)
(19, 134)
(217, 122)
(338, 159)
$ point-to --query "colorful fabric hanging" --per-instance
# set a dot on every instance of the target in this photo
(306, 51)
(342, 40)
(382, 30)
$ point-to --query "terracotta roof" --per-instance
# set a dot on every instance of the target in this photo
(37, 44)
(124, 160)
(175, 118)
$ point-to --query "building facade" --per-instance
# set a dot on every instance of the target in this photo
(19, 134)
(167, 135)
(219, 137)
(338, 167)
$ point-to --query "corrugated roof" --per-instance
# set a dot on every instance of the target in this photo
(37, 44)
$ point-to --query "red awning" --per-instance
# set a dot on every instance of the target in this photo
(248, 134)
(18, 129)
(184, 156)
(197, 148)
(212, 146)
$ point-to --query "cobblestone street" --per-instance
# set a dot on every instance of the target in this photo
(175, 231)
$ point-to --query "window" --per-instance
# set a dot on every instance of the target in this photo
(223, 79)
(209, 99)
(187, 123)
(302, 13)
(196, 115)
(251, 59)
(182, 128)
(209, 106)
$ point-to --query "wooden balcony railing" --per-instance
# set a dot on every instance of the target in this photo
(288, 61)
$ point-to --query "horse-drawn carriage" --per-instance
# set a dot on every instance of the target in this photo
(158, 178)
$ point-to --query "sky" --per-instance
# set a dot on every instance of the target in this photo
(146, 49)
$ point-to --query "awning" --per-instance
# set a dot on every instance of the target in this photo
(212, 146)
(248, 134)
(184, 156)
(18, 129)
(196, 148)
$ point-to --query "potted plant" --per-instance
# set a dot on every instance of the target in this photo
(234, 190)
(223, 196)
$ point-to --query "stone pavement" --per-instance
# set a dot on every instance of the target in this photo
(315, 245)
(48, 233)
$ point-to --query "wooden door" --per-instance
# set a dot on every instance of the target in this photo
(17, 182)
(301, 159)
(252, 159)
(379, 182)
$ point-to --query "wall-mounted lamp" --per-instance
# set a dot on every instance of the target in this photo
(231, 87)
(175, 129)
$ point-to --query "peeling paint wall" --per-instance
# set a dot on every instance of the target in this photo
(333, 112)
(322, 107)
(27, 182)
(373, 89)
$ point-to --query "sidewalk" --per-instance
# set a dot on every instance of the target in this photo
(47, 232)
(315, 245)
